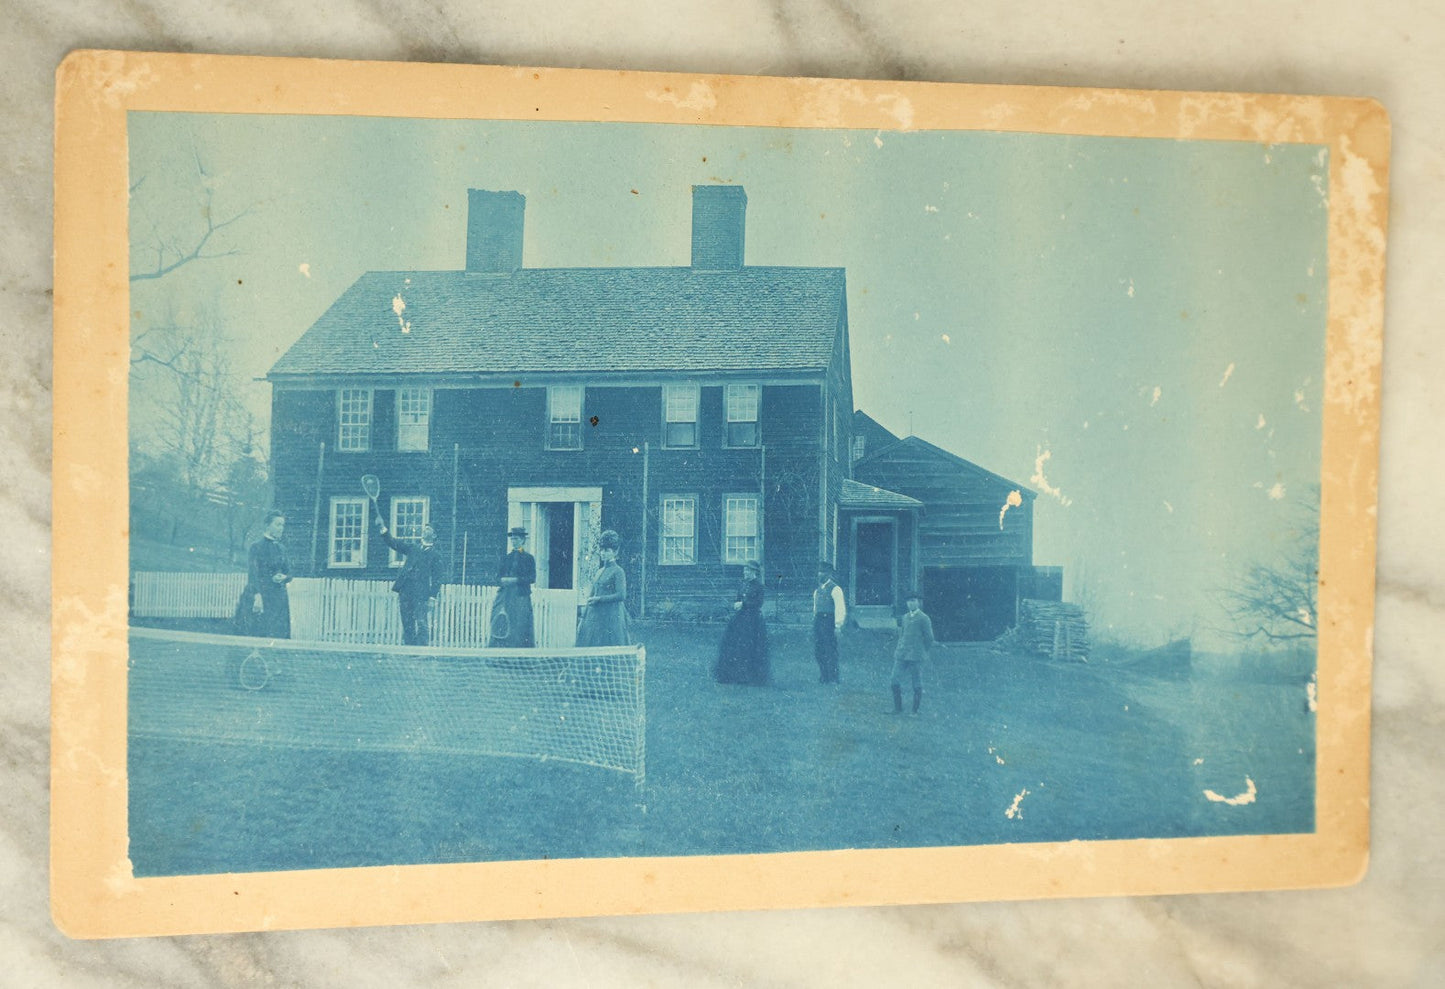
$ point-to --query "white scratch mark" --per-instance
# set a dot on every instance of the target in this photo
(878, 140)
(1130, 290)
(1014, 500)
(1228, 373)
(1155, 400)
(699, 97)
(946, 339)
(1299, 400)
(930, 209)
(1276, 492)
(1259, 423)
(996, 757)
(304, 268)
(915, 317)
(1013, 808)
(1247, 797)
(1042, 482)
(398, 306)
(1169, 508)
(1198, 762)
(1312, 693)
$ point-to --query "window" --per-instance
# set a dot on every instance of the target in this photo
(679, 413)
(860, 443)
(742, 414)
(413, 418)
(564, 417)
(408, 515)
(354, 414)
(679, 530)
(348, 532)
(741, 538)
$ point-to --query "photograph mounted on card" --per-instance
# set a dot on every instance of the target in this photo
(562, 493)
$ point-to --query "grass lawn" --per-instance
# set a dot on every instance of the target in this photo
(1007, 748)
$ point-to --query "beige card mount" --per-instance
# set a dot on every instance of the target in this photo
(494, 493)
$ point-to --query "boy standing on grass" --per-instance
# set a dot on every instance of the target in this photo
(915, 639)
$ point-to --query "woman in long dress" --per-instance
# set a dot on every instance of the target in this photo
(743, 654)
(604, 623)
(265, 606)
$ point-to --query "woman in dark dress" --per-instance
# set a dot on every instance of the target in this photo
(265, 606)
(743, 655)
(604, 623)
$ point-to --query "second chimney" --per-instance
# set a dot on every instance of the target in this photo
(494, 230)
(719, 213)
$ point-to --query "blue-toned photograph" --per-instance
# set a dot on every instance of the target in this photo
(509, 490)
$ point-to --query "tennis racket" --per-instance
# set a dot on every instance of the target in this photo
(372, 486)
(501, 624)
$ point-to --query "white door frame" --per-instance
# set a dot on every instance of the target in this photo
(892, 522)
(522, 509)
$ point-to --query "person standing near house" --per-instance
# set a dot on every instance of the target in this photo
(512, 609)
(604, 623)
(743, 654)
(265, 606)
(915, 639)
(829, 614)
(417, 585)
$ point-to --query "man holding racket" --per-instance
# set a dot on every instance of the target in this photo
(417, 585)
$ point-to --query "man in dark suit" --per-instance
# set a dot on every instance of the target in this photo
(515, 576)
(417, 585)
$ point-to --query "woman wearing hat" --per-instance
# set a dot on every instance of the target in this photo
(604, 623)
(512, 609)
(743, 654)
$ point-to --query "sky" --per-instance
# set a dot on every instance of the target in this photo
(1132, 328)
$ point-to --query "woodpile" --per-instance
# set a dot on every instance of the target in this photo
(1055, 629)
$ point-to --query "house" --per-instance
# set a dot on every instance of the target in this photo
(966, 539)
(703, 412)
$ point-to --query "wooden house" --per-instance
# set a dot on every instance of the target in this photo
(703, 412)
(964, 537)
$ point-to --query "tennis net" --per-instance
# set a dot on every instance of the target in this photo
(576, 705)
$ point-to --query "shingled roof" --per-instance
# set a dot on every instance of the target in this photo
(858, 495)
(576, 319)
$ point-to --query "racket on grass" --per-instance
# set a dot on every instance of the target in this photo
(372, 486)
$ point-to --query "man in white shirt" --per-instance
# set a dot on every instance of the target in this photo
(829, 614)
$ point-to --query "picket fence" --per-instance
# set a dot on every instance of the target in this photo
(329, 609)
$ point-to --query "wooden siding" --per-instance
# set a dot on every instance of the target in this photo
(492, 439)
(960, 524)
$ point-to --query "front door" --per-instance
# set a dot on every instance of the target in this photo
(562, 527)
(875, 568)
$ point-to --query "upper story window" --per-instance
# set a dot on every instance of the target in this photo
(679, 530)
(348, 532)
(679, 413)
(742, 414)
(564, 417)
(353, 407)
(408, 514)
(413, 418)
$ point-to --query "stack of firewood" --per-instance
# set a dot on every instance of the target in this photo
(1055, 629)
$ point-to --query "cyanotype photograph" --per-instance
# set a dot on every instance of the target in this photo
(490, 493)
(551, 490)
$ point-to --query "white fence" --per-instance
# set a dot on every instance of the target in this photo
(329, 609)
(187, 595)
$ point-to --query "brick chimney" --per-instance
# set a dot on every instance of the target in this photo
(718, 218)
(494, 230)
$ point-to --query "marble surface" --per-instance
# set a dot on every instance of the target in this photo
(1388, 930)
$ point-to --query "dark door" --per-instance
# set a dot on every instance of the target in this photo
(874, 562)
(559, 544)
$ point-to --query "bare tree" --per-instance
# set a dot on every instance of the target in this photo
(1276, 600)
(170, 250)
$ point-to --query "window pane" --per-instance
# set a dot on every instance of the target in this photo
(742, 434)
(681, 403)
(678, 534)
(348, 533)
(408, 515)
(564, 412)
(740, 528)
(413, 416)
(354, 414)
(681, 434)
(742, 403)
